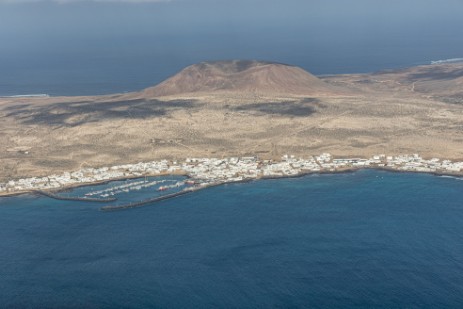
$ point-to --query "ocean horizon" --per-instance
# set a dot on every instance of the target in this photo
(79, 82)
(93, 48)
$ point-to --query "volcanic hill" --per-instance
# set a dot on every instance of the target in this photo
(244, 77)
(236, 109)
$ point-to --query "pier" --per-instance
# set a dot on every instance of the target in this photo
(148, 201)
(79, 199)
(160, 198)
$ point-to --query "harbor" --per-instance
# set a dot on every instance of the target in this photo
(145, 202)
(204, 173)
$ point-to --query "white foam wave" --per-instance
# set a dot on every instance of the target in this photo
(453, 177)
(39, 95)
(451, 60)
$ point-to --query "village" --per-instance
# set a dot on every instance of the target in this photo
(209, 171)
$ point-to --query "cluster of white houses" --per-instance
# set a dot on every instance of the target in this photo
(213, 170)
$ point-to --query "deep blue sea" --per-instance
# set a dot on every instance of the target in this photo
(365, 239)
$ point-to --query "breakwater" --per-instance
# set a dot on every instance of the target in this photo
(80, 199)
(147, 201)
(163, 197)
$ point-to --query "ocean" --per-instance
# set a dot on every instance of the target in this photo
(92, 47)
(368, 239)
(363, 239)
(63, 73)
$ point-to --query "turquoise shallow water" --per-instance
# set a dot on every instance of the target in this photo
(363, 239)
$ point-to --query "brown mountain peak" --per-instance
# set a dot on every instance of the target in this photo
(241, 76)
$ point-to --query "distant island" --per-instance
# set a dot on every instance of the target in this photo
(240, 109)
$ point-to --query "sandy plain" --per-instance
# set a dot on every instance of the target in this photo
(414, 110)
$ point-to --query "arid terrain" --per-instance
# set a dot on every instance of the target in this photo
(239, 108)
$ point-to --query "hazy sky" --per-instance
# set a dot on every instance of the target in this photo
(113, 17)
(323, 36)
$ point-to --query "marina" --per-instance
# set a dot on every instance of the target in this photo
(145, 202)
(163, 197)
(128, 187)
